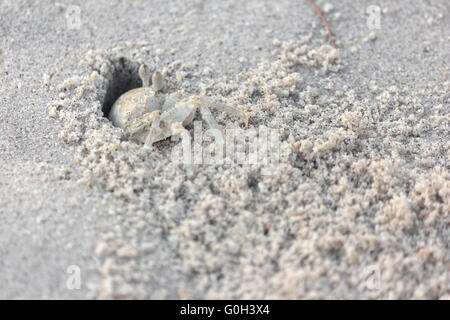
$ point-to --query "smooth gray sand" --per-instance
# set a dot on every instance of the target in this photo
(360, 205)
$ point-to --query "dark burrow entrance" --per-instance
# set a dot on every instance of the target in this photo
(124, 77)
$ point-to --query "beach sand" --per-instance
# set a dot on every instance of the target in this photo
(357, 206)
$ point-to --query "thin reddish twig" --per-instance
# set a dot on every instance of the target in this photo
(324, 22)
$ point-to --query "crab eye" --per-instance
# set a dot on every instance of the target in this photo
(158, 82)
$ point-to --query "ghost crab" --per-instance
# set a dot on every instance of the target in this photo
(149, 115)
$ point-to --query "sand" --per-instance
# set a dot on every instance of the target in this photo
(357, 208)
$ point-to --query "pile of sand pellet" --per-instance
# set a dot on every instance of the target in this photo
(361, 182)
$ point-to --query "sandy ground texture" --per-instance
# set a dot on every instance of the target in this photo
(359, 203)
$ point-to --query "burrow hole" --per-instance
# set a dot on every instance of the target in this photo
(123, 78)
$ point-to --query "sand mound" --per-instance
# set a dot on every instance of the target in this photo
(362, 184)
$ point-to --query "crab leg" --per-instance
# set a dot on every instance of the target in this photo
(212, 123)
(205, 101)
(209, 119)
